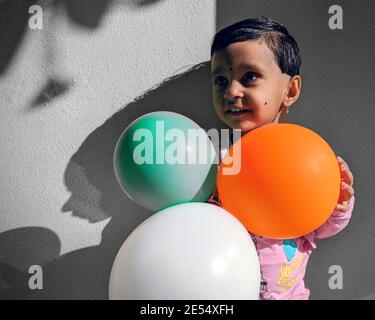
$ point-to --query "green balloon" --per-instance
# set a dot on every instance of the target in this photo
(163, 159)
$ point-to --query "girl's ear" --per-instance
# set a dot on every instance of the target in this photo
(293, 91)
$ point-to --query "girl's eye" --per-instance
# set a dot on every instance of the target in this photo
(249, 76)
(221, 81)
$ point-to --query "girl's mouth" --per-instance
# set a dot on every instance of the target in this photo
(237, 111)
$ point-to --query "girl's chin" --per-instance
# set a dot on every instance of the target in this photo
(247, 125)
(243, 126)
(244, 122)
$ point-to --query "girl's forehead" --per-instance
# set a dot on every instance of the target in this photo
(251, 54)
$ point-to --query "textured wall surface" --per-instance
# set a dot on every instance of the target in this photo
(68, 91)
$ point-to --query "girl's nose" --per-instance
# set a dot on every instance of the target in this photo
(234, 90)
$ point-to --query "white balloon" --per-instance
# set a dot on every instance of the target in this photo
(188, 251)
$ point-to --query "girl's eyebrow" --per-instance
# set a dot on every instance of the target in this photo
(218, 70)
(250, 66)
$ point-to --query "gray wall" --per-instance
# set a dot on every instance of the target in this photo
(337, 101)
(68, 91)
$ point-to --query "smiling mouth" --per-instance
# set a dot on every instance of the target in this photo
(237, 111)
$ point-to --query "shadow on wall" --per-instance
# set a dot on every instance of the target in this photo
(14, 20)
(15, 16)
(95, 196)
(30, 246)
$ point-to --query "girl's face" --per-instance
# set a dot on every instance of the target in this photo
(248, 86)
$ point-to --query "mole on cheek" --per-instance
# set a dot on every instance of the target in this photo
(265, 103)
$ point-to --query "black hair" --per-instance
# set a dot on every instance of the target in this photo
(275, 35)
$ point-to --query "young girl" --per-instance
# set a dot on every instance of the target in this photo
(255, 79)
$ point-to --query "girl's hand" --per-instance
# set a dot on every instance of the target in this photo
(346, 188)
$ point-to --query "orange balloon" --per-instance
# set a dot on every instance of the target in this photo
(288, 183)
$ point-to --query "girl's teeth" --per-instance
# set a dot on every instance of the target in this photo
(236, 110)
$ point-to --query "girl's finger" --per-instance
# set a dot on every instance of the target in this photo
(342, 207)
(342, 161)
(346, 175)
(346, 192)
